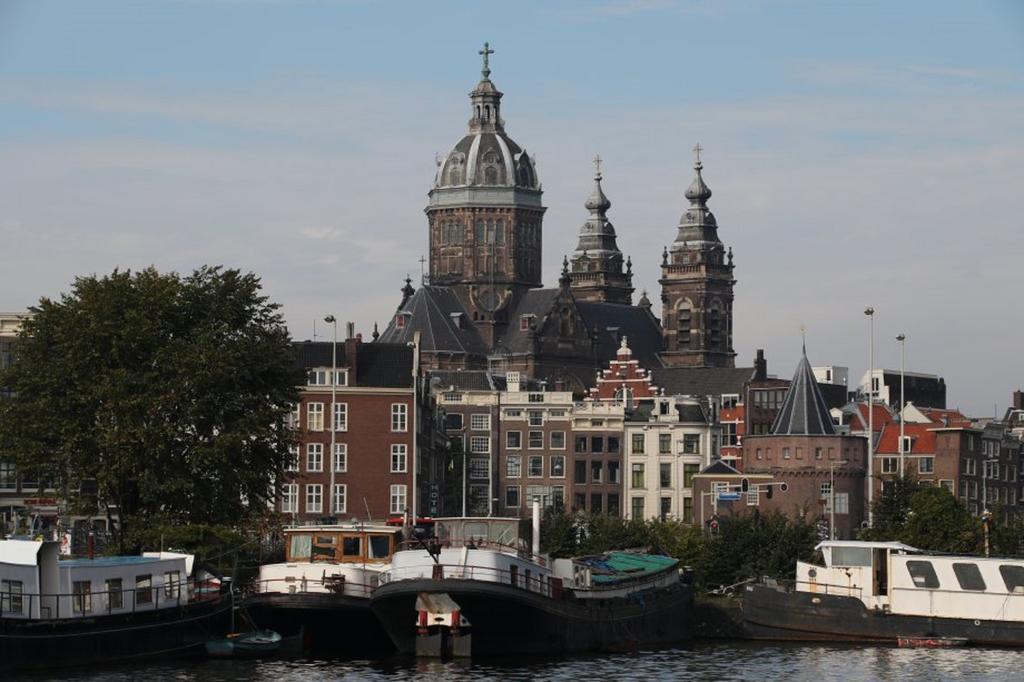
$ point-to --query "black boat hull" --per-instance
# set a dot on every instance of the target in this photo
(178, 631)
(775, 614)
(508, 620)
(330, 624)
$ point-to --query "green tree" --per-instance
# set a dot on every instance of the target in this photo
(892, 509)
(938, 522)
(162, 395)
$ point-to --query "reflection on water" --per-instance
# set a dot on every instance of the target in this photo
(707, 660)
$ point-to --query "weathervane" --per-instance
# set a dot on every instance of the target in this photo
(486, 52)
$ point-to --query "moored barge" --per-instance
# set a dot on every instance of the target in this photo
(76, 612)
(887, 592)
(322, 589)
(477, 590)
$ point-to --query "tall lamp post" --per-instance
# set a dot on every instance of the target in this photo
(902, 338)
(331, 320)
(870, 312)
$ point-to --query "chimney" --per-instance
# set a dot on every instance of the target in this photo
(760, 366)
(351, 354)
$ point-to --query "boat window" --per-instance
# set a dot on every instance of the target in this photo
(143, 589)
(969, 576)
(324, 547)
(352, 546)
(301, 547)
(851, 556)
(475, 531)
(923, 574)
(380, 546)
(1013, 576)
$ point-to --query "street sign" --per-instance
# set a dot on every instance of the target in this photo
(728, 497)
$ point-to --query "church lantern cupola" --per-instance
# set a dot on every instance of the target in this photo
(597, 272)
(697, 286)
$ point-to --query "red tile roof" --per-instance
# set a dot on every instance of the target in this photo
(922, 439)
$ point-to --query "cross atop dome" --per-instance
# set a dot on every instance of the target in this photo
(486, 52)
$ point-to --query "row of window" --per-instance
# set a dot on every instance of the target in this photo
(638, 475)
(315, 458)
(968, 575)
(689, 445)
(665, 510)
(547, 495)
(12, 596)
(315, 417)
(314, 498)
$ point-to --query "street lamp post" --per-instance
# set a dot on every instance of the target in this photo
(902, 338)
(331, 320)
(870, 312)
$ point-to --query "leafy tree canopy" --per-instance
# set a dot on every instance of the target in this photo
(926, 517)
(160, 394)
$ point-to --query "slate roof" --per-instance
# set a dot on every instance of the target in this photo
(466, 380)
(431, 309)
(804, 411)
(700, 381)
(719, 468)
(536, 302)
(612, 321)
(380, 365)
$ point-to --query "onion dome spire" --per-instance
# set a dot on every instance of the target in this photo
(698, 224)
(597, 235)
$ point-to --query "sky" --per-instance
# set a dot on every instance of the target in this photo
(860, 154)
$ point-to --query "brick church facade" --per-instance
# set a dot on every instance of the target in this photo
(484, 305)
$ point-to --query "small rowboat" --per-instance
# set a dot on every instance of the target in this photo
(241, 644)
(931, 642)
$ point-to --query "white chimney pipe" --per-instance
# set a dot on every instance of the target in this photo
(536, 527)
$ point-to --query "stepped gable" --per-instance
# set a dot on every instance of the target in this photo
(804, 412)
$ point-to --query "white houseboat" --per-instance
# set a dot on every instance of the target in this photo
(323, 587)
(478, 589)
(55, 612)
(887, 592)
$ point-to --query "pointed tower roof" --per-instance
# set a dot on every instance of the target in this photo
(597, 235)
(804, 411)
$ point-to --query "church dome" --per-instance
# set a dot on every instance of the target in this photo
(486, 157)
(489, 159)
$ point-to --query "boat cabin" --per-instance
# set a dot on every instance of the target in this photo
(36, 584)
(338, 559)
(900, 579)
(352, 543)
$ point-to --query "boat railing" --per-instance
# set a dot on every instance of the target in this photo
(331, 584)
(19, 605)
(545, 585)
(473, 543)
(824, 588)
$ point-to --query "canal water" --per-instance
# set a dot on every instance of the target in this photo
(699, 661)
